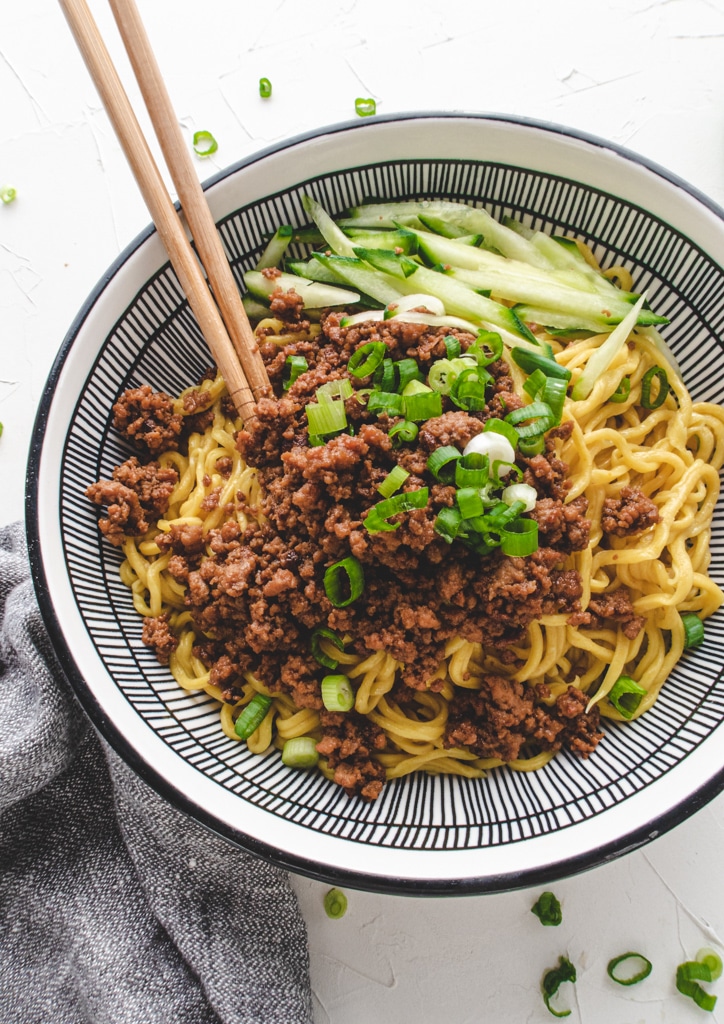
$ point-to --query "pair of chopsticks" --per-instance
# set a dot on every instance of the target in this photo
(213, 297)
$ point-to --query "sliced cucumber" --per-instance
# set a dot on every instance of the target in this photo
(387, 261)
(276, 247)
(396, 239)
(315, 294)
(604, 355)
(357, 274)
(332, 234)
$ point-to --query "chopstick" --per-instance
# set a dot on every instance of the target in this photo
(166, 218)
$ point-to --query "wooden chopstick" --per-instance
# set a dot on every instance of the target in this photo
(163, 212)
(193, 201)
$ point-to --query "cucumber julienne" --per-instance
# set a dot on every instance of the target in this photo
(490, 275)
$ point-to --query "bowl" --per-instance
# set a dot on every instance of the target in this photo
(425, 834)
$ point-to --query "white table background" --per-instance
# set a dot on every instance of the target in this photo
(646, 74)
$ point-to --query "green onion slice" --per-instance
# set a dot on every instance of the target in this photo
(403, 431)
(547, 909)
(367, 358)
(204, 144)
(658, 374)
(441, 463)
(337, 693)
(629, 979)
(293, 367)
(265, 88)
(553, 979)
(365, 106)
(388, 402)
(377, 518)
(315, 644)
(252, 715)
(519, 538)
(300, 752)
(529, 446)
(693, 629)
(393, 481)
(384, 377)
(422, 405)
(535, 383)
(7, 193)
(472, 470)
(688, 976)
(344, 581)
(711, 959)
(487, 348)
(448, 524)
(441, 376)
(501, 427)
(468, 390)
(626, 695)
(469, 502)
(406, 370)
(326, 417)
(622, 391)
(335, 903)
(452, 347)
(532, 419)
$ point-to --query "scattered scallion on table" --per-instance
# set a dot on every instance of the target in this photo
(632, 960)
(335, 903)
(7, 193)
(553, 979)
(265, 88)
(547, 909)
(204, 143)
(365, 106)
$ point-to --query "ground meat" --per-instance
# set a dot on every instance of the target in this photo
(157, 634)
(630, 513)
(287, 305)
(135, 497)
(563, 526)
(614, 607)
(348, 743)
(147, 419)
(503, 717)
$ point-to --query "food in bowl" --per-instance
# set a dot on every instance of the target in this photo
(466, 526)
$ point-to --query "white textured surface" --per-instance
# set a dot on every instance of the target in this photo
(648, 74)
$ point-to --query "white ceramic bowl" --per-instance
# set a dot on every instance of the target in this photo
(423, 835)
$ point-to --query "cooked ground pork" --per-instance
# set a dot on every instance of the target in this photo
(135, 498)
(256, 598)
(147, 419)
(631, 513)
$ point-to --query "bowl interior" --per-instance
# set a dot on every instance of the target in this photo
(424, 834)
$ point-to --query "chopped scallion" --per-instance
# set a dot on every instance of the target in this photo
(293, 367)
(365, 106)
(693, 630)
(344, 581)
(252, 715)
(452, 347)
(335, 903)
(367, 358)
(622, 391)
(519, 538)
(422, 405)
(441, 463)
(315, 644)
(553, 979)
(547, 909)
(626, 695)
(7, 193)
(711, 959)
(531, 361)
(204, 143)
(393, 481)
(377, 518)
(403, 431)
(387, 402)
(326, 417)
(265, 88)
(300, 752)
(658, 374)
(337, 693)
(629, 979)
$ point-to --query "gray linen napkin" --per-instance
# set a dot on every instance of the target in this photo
(114, 906)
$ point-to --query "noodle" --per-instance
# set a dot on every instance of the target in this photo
(671, 454)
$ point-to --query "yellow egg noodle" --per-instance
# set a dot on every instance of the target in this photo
(672, 454)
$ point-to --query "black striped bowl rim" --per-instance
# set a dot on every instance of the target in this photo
(424, 835)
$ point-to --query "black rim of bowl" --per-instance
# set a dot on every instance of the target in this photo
(503, 882)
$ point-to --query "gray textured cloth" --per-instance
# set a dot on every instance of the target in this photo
(115, 907)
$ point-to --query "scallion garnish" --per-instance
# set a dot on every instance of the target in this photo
(293, 367)
(252, 715)
(532, 419)
(468, 389)
(326, 417)
(547, 909)
(711, 959)
(204, 143)
(497, 426)
(693, 629)
(344, 581)
(406, 371)
(688, 976)
(384, 378)
(403, 431)
(365, 106)
(335, 903)
(337, 693)
(626, 695)
(7, 193)
(448, 524)
(519, 538)
(531, 361)
(629, 979)
(300, 752)
(472, 470)
(529, 446)
(622, 391)
(334, 389)
(553, 979)
(469, 502)
(393, 481)
(441, 463)
(366, 358)
(452, 347)
(377, 518)
(441, 376)
(315, 644)
(486, 340)
(422, 405)
(658, 374)
(387, 402)
(265, 88)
